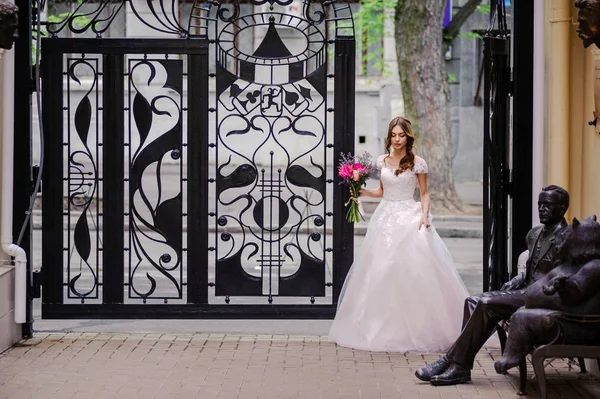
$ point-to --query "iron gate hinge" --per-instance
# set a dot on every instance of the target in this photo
(36, 285)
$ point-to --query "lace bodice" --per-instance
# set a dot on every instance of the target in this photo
(401, 187)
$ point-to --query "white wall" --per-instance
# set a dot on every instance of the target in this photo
(9, 330)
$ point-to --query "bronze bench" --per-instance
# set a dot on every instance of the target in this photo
(556, 349)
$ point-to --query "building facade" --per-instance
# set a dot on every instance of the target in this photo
(566, 146)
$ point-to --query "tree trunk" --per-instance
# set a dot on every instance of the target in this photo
(424, 81)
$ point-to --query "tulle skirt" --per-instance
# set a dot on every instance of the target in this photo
(403, 293)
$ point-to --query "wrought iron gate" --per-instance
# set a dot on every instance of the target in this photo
(194, 176)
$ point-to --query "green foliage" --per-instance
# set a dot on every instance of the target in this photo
(452, 78)
(484, 9)
(79, 21)
(470, 35)
(34, 36)
(370, 27)
(370, 22)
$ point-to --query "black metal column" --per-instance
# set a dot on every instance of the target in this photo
(522, 140)
(52, 205)
(343, 236)
(496, 168)
(113, 191)
(197, 158)
(22, 152)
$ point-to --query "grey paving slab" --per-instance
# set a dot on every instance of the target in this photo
(225, 366)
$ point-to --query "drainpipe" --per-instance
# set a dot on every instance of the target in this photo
(539, 22)
(558, 112)
(6, 239)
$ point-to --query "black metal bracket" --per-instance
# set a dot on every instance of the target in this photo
(36, 172)
(32, 82)
(36, 285)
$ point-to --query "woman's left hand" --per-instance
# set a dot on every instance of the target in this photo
(424, 221)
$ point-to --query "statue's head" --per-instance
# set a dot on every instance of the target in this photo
(553, 203)
(580, 241)
(588, 18)
(9, 24)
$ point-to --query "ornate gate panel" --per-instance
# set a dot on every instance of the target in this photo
(195, 176)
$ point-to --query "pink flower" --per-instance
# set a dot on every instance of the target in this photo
(345, 171)
(359, 167)
(356, 175)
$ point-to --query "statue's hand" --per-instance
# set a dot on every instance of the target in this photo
(509, 285)
(557, 284)
(513, 283)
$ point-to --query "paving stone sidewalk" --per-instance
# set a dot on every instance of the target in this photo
(90, 365)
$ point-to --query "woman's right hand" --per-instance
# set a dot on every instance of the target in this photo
(360, 192)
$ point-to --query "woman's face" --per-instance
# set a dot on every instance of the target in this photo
(398, 138)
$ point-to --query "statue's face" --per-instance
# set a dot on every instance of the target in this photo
(9, 31)
(589, 21)
(551, 210)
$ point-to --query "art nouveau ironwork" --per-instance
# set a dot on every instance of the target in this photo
(215, 149)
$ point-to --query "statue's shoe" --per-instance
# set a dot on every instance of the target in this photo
(434, 368)
(455, 374)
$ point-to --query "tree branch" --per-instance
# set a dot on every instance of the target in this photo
(453, 28)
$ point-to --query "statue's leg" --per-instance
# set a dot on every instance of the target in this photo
(527, 327)
(470, 304)
(488, 312)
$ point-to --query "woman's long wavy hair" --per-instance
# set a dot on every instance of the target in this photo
(408, 161)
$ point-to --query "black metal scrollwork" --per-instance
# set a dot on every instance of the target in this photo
(261, 145)
(165, 16)
(271, 156)
(82, 260)
(82, 19)
(155, 219)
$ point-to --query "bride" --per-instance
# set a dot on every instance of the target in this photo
(403, 293)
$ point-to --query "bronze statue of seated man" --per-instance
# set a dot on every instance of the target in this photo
(483, 312)
(572, 288)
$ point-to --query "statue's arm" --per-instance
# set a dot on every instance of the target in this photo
(518, 281)
(582, 285)
(515, 283)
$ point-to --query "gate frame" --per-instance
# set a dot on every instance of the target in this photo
(23, 168)
(197, 307)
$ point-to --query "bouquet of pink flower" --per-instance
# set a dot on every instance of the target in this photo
(354, 171)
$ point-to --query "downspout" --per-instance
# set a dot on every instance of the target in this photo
(6, 238)
(559, 94)
(537, 169)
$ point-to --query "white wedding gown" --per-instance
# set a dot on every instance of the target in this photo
(403, 293)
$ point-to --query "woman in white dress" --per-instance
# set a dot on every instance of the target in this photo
(403, 293)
